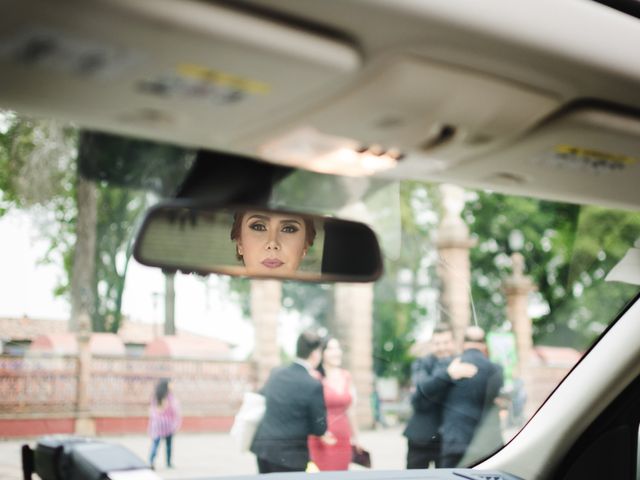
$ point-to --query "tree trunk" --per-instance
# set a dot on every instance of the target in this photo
(82, 273)
(169, 304)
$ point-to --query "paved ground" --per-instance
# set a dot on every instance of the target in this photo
(201, 455)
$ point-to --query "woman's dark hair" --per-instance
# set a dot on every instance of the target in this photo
(162, 390)
(325, 344)
(309, 229)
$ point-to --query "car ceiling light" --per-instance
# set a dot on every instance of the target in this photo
(310, 149)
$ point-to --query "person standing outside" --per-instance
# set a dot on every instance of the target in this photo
(469, 401)
(164, 420)
(333, 450)
(431, 378)
(295, 409)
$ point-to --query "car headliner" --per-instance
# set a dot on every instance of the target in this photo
(516, 82)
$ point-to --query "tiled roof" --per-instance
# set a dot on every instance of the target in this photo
(187, 347)
(26, 328)
(67, 344)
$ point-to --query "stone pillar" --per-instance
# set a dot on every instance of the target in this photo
(517, 288)
(265, 309)
(353, 327)
(84, 424)
(454, 270)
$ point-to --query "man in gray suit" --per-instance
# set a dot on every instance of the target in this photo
(295, 409)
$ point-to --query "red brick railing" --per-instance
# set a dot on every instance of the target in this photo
(37, 384)
(119, 387)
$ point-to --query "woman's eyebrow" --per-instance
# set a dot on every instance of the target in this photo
(267, 218)
(290, 220)
(259, 217)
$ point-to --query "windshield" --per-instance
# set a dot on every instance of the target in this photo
(486, 302)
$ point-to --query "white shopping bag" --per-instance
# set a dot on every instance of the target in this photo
(247, 419)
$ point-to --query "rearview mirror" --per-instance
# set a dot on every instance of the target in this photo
(257, 242)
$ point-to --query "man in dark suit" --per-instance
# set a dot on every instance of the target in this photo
(431, 380)
(295, 409)
(469, 401)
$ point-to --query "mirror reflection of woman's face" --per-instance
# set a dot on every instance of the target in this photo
(271, 244)
(332, 355)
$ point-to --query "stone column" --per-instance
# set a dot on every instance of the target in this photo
(517, 288)
(265, 309)
(84, 424)
(353, 327)
(454, 270)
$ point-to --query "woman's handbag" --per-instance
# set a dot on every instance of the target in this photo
(247, 419)
(360, 456)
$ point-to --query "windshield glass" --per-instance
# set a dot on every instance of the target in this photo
(486, 302)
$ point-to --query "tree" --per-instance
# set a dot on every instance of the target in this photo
(83, 268)
(567, 248)
(37, 173)
(118, 212)
(41, 170)
(131, 175)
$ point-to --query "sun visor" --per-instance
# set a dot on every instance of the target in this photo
(587, 154)
(111, 65)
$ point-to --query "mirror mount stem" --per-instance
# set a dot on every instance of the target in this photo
(222, 178)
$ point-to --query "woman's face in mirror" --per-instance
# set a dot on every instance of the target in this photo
(271, 244)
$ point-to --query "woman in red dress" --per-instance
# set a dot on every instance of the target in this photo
(332, 451)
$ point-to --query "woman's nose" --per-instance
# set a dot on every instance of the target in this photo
(272, 243)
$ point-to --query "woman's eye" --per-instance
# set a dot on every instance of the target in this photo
(258, 227)
(290, 229)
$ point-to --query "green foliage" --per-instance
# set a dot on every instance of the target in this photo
(118, 212)
(567, 249)
(9, 134)
(38, 171)
(394, 324)
(126, 170)
(547, 233)
(603, 236)
(395, 319)
(36, 160)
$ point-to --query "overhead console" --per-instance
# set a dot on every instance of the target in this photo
(417, 107)
(589, 152)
